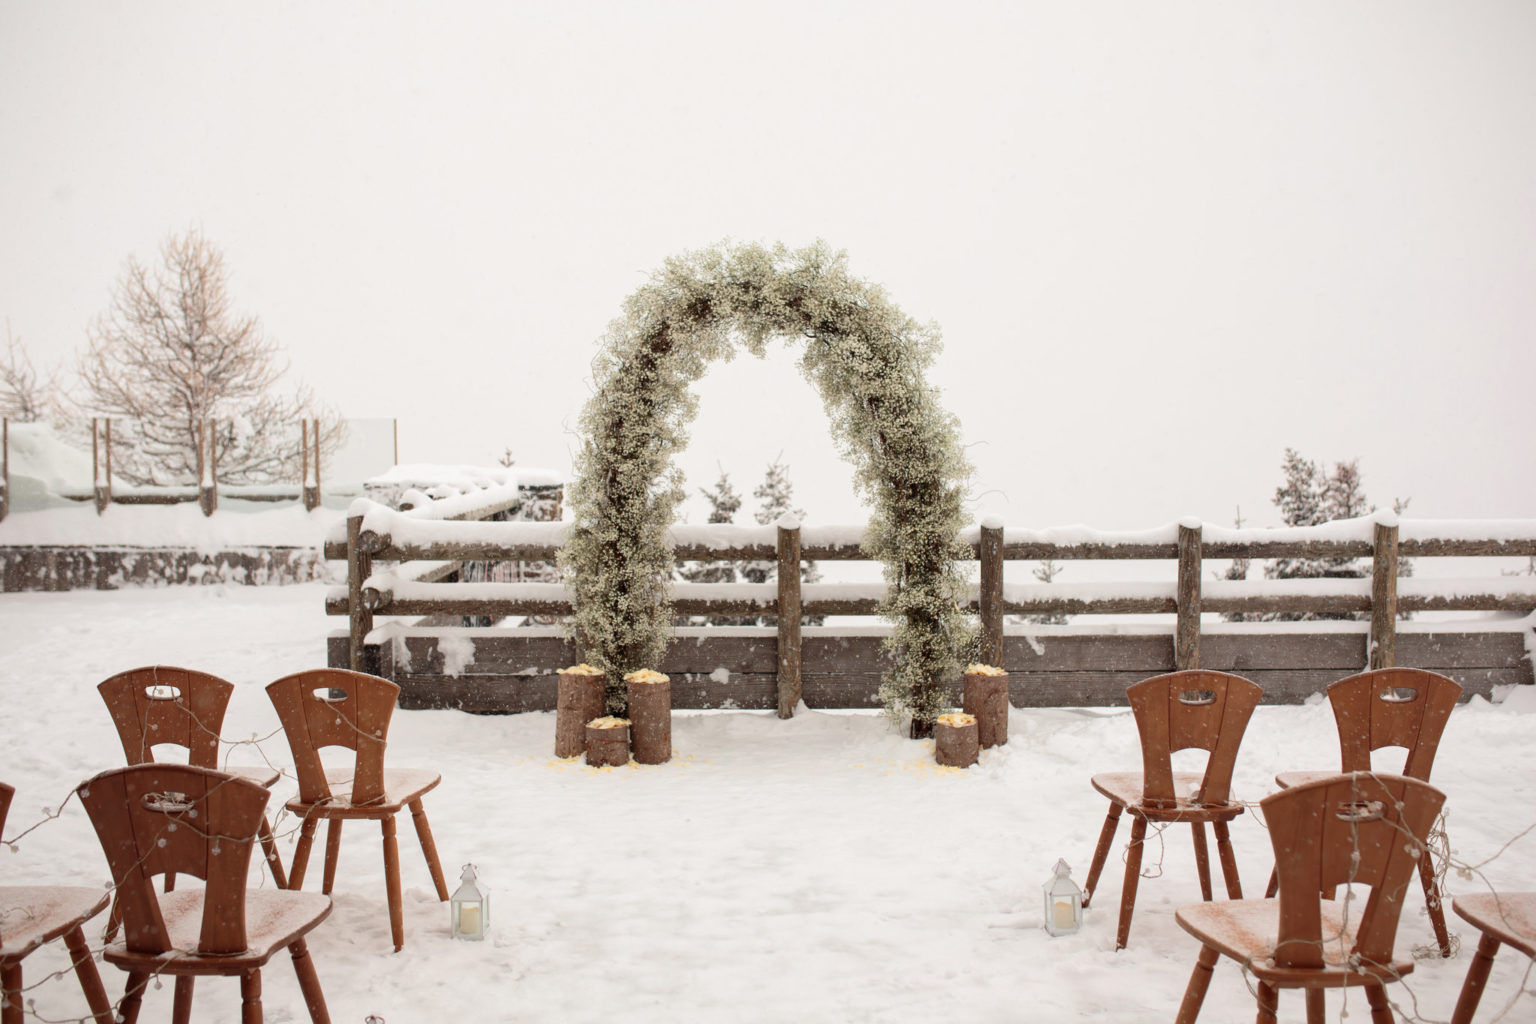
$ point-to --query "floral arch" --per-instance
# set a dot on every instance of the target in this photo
(867, 360)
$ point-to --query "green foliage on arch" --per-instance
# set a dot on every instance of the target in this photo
(867, 360)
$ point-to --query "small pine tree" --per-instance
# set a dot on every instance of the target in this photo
(724, 503)
(1046, 572)
(777, 496)
(1310, 497)
(1238, 570)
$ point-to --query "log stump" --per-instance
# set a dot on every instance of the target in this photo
(986, 697)
(955, 740)
(608, 742)
(650, 716)
(580, 699)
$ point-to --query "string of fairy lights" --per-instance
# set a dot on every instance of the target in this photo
(1436, 845)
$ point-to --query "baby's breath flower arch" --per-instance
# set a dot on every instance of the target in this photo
(867, 360)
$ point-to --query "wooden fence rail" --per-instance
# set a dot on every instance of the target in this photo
(403, 588)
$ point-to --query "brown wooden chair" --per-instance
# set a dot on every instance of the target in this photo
(1351, 830)
(1391, 707)
(1503, 918)
(334, 707)
(1182, 710)
(181, 707)
(158, 818)
(31, 915)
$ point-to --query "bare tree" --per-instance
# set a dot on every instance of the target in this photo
(25, 394)
(172, 357)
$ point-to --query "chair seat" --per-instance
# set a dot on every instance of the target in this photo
(273, 919)
(1126, 788)
(31, 915)
(1286, 780)
(401, 786)
(1509, 917)
(1246, 930)
(263, 775)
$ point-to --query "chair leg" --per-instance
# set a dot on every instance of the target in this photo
(1477, 980)
(392, 883)
(10, 983)
(301, 852)
(1132, 877)
(1381, 1009)
(90, 978)
(250, 997)
(309, 983)
(1101, 852)
(1274, 884)
(1228, 860)
(1432, 899)
(1269, 1003)
(114, 920)
(133, 997)
(269, 850)
(332, 854)
(1199, 981)
(429, 847)
(1202, 859)
(170, 881)
(1317, 1008)
(181, 1008)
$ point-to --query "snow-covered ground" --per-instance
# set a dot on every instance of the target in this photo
(821, 869)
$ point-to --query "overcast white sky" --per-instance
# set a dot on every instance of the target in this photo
(1163, 241)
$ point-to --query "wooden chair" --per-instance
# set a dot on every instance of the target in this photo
(1190, 709)
(1390, 707)
(1503, 918)
(158, 818)
(334, 707)
(31, 915)
(1360, 829)
(160, 704)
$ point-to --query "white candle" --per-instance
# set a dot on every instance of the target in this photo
(469, 920)
(1062, 914)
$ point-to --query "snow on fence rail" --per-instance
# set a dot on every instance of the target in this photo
(512, 669)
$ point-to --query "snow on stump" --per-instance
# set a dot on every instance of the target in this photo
(986, 697)
(579, 699)
(955, 740)
(608, 742)
(650, 716)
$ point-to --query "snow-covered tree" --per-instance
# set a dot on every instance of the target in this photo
(724, 503)
(170, 357)
(1311, 497)
(776, 497)
(25, 394)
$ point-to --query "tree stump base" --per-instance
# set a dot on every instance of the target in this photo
(650, 716)
(955, 740)
(986, 697)
(578, 700)
(608, 742)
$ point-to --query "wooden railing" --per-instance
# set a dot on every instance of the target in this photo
(376, 536)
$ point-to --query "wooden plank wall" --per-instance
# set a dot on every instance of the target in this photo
(513, 670)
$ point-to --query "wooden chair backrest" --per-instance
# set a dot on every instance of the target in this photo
(162, 704)
(332, 707)
(1195, 708)
(1392, 707)
(1362, 829)
(158, 818)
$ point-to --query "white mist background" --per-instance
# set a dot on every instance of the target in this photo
(1163, 243)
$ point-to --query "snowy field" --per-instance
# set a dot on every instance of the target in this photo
(821, 869)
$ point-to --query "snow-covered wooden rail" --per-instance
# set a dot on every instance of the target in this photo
(513, 669)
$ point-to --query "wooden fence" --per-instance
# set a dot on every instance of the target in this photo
(403, 564)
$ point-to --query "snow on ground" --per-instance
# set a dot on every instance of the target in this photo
(821, 869)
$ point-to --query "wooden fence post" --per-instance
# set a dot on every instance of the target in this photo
(309, 492)
(1384, 596)
(789, 615)
(5, 466)
(359, 566)
(314, 436)
(101, 482)
(1186, 641)
(992, 593)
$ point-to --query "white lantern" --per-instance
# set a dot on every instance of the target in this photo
(1063, 902)
(470, 907)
